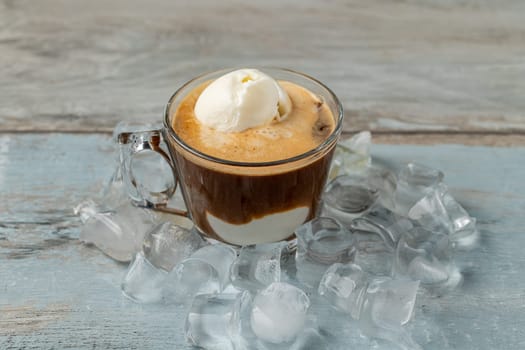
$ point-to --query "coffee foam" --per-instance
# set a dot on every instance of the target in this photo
(309, 123)
(272, 133)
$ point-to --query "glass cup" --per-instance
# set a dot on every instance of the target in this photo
(239, 203)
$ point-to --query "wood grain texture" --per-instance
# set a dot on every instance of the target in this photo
(415, 72)
(435, 138)
(58, 293)
(396, 65)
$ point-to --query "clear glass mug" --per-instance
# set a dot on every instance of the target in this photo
(239, 203)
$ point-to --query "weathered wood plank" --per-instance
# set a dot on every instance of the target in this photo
(58, 293)
(434, 138)
(396, 65)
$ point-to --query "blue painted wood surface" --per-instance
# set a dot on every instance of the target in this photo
(58, 293)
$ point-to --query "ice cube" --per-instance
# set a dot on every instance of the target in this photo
(258, 265)
(352, 155)
(350, 196)
(439, 211)
(118, 233)
(167, 244)
(377, 233)
(414, 181)
(430, 212)
(279, 312)
(389, 302)
(426, 256)
(310, 338)
(86, 210)
(420, 176)
(344, 286)
(389, 305)
(189, 279)
(375, 257)
(464, 230)
(214, 321)
(324, 240)
(428, 271)
(320, 243)
(143, 281)
(381, 305)
(206, 271)
(383, 222)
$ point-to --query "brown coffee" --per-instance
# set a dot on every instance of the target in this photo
(230, 202)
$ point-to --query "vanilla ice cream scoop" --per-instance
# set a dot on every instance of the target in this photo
(240, 100)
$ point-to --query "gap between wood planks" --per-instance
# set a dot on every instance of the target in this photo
(412, 137)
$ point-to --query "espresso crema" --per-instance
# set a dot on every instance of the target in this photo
(307, 125)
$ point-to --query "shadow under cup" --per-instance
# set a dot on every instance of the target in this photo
(248, 203)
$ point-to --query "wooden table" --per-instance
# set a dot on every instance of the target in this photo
(441, 83)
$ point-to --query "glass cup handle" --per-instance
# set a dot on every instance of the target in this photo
(131, 145)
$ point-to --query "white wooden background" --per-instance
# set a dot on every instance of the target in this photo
(426, 65)
(438, 82)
